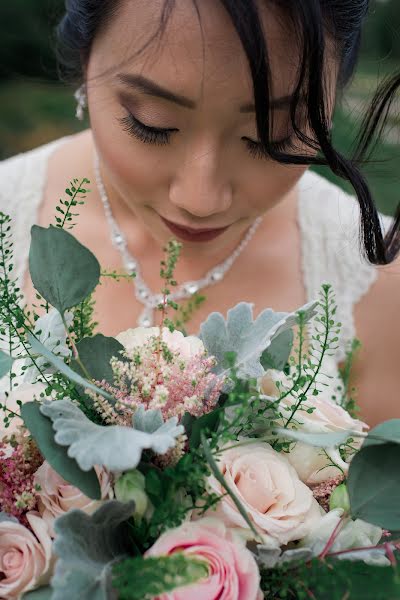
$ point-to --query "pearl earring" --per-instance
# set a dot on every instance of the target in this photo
(81, 98)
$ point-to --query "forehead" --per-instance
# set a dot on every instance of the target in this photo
(199, 54)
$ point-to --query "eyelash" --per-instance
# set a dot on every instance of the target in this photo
(161, 137)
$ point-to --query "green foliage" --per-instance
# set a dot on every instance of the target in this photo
(374, 486)
(86, 546)
(277, 354)
(331, 580)
(144, 578)
(84, 324)
(96, 353)
(246, 337)
(116, 447)
(348, 400)
(43, 593)
(6, 363)
(63, 271)
(172, 251)
(186, 311)
(42, 432)
(77, 195)
(63, 368)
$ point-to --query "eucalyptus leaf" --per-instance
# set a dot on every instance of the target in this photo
(41, 430)
(6, 362)
(115, 447)
(43, 593)
(86, 547)
(60, 366)
(63, 271)
(96, 353)
(319, 440)
(374, 485)
(246, 337)
(221, 479)
(277, 355)
(389, 431)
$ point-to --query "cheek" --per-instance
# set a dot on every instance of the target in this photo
(266, 186)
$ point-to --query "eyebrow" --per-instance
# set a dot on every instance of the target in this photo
(149, 87)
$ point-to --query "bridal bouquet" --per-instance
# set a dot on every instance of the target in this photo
(229, 466)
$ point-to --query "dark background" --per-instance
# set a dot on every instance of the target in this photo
(36, 108)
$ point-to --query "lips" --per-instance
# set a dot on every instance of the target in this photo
(188, 234)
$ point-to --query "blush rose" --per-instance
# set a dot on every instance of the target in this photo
(281, 506)
(232, 571)
(25, 557)
(57, 496)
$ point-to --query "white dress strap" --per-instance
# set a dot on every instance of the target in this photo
(22, 180)
(329, 221)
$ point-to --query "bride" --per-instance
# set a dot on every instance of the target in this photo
(204, 120)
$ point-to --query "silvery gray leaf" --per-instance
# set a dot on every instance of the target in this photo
(115, 447)
(6, 517)
(86, 547)
(50, 331)
(147, 420)
(296, 555)
(267, 557)
(246, 337)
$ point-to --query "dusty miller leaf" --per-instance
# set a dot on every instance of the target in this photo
(246, 337)
(86, 547)
(115, 447)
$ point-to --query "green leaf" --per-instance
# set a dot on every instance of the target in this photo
(145, 578)
(331, 579)
(277, 355)
(389, 431)
(221, 479)
(6, 363)
(208, 422)
(43, 593)
(41, 429)
(63, 271)
(96, 352)
(60, 365)
(374, 485)
(116, 447)
(86, 546)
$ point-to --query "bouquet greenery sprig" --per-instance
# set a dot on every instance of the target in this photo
(154, 464)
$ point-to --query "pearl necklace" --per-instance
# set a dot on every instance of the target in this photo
(142, 293)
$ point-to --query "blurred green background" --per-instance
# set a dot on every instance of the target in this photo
(35, 108)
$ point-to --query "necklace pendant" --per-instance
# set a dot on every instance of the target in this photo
(146, 318)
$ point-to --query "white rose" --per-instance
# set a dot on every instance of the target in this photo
(279, 504)
(354, 534)
(187, 347)
(311, 463)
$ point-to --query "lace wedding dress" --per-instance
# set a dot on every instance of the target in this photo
(328, 219)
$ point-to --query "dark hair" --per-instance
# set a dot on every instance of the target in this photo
(311, 21)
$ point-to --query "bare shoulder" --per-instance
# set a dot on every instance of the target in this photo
(376, 373)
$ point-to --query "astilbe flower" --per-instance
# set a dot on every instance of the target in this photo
(154, 376)
(19, 460)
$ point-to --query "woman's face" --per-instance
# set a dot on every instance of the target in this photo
(197, 166)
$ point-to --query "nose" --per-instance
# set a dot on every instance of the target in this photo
(200, 187)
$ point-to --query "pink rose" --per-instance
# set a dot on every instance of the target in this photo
(233, 572)
(57, 496)
(25, 557)
(279, 504)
